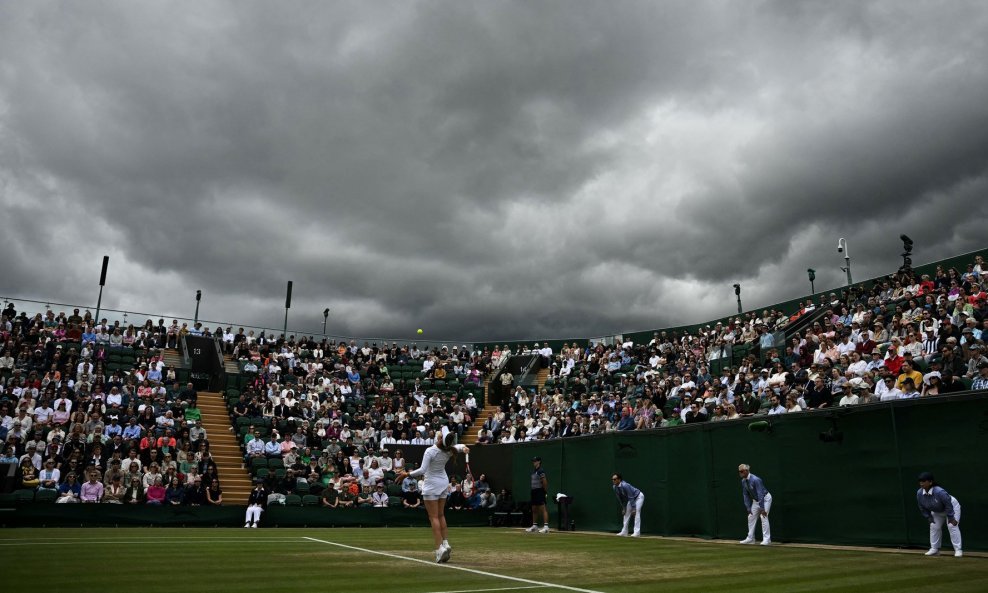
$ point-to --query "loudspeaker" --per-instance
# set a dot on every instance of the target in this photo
(288, 298)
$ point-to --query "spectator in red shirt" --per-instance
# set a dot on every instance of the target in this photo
(894, 360)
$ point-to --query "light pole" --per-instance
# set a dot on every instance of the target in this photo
(288, 305)
(325, 318)
(737, 293)
(842, 248)
(812, 274)
(198, 298)
(102, 281)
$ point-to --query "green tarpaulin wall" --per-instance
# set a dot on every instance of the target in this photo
(859, 491)
(113, 515)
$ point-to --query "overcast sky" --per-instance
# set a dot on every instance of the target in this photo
(482, 169)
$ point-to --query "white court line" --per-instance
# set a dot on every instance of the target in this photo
(138, 541)
(453, 567)
(152, 537)
(497, 589)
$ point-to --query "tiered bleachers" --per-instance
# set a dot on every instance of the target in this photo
(334, 407)
(849, 349)
(93, 402)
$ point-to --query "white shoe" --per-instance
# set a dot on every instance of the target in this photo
(439, 555)
(747, 540)
(545, 529)
(766, 542)
(622, 533)
(254, 525)
(636, 535)
(958, 554)
(443, 554)
(932, 552)
(247, 524)
(533, 528)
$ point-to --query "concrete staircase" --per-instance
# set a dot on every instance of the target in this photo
(172, 358)
(229, 365)
(234, 479)
(470, 436)
(540, 380)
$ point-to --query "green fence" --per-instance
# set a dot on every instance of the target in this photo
(859, 491)
(114, 515)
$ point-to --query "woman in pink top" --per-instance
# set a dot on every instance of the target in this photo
(156, 492)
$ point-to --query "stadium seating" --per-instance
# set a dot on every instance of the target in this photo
(721, 371)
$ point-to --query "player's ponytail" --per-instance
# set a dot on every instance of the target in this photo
(449, 439)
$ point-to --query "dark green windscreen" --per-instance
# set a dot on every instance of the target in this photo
(861, 490)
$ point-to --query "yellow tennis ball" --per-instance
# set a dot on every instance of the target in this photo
(420, 331)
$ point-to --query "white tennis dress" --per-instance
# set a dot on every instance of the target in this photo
(434, 469)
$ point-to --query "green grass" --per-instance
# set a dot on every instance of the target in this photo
(281, 560)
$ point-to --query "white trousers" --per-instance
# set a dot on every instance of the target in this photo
(253, 513)
(756, 512)
(634, 507)
(936, 527)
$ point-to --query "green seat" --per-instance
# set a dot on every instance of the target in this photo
(275, 464)
(293, 500)
(257, 463)
(47, 496)
(310, 500)
(24, 495)
(262, 472)
(302, 488)
(394, 501)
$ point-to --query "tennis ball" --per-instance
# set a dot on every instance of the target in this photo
(420, 331)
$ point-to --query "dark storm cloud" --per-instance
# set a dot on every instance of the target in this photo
(482, 169)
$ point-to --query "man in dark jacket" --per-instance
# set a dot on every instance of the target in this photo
(256, 503)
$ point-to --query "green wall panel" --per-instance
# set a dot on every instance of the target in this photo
(859, 491)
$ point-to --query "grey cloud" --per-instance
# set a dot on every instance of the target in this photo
(485, 170)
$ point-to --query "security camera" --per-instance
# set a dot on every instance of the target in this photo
(840, 246)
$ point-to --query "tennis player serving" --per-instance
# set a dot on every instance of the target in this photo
(436, 487)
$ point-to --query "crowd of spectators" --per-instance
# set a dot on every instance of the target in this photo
(908, 336)
(322, 418)
(90, 406)
(89, 413)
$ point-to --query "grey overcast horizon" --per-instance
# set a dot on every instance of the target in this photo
(482, 170)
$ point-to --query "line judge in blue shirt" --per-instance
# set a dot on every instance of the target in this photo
(758, 501)
(938, 507)
(631, 500)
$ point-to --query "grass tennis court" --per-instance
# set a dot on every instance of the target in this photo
(278, 560)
